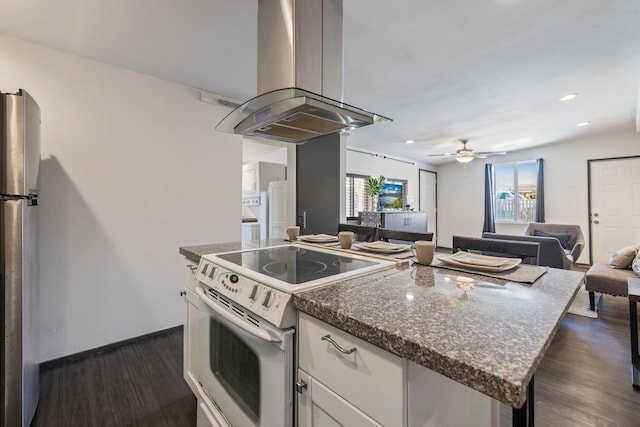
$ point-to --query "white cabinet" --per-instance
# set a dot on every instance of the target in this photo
(251, 231)
(318, 406)
(435, 401)
(366, 384)
(372, 387)
(190, 331)
(256, 178)
(405, 221)
(207, 414)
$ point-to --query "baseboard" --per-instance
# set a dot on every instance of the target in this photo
(49, 364)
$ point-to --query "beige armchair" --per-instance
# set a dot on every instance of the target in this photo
(572, 246)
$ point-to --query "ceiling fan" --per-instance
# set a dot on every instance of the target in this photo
(465, 155)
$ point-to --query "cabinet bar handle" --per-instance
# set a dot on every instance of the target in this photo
(338, 346)
(301, 386)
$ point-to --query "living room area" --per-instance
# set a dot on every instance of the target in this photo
(584, 379)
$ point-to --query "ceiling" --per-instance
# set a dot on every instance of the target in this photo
(490, 71)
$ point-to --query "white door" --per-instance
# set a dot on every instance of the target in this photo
(614, 206)
(428, 199)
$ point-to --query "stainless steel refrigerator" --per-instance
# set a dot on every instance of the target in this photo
(19, 188)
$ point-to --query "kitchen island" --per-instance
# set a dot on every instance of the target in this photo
(484, 333)
(489, 335)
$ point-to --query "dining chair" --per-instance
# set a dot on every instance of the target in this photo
(387, 234)
(527, 251)
(361, 233)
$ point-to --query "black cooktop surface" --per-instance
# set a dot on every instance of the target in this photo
(293, 264)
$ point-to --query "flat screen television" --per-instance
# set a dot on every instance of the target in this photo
(391, 196)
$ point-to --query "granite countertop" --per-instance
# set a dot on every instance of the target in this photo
(194, 253)
(490, 338)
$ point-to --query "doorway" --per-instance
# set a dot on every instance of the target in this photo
(265, 167)
(614, 205)
(427, 201)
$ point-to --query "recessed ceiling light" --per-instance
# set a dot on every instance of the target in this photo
(409, 141)
(583, 124)
(568, 97)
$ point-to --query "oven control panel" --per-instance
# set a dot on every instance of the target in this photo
(271, 304)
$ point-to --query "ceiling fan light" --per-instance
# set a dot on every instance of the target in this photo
(464, 159)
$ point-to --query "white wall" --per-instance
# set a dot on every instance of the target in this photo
(461, 187)
(366, 164)
(132, 169)
(258, 151)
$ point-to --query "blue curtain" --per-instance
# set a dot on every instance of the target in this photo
(540, 191)
(489, 207)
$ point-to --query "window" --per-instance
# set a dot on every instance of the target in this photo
(515, 192)
(357, 199)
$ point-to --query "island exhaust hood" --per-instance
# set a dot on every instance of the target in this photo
(299, 75)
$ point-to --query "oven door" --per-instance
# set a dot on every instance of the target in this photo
(245, 369)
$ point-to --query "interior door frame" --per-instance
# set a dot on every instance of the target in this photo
(420, 171)
(590, 209)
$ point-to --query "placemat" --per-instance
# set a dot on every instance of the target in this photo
(521, 274)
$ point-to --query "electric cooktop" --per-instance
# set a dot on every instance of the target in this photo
(263, 280)
(295, 267)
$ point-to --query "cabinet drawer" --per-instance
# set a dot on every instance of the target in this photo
(320, 407)
(369, 378)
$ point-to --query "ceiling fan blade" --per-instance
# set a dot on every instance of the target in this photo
(491, 153)
(441, 154)
(484, 155)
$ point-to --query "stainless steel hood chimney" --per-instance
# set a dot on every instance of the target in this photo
(299, 75)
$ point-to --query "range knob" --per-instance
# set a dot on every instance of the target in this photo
(255, 293)
(268, 299)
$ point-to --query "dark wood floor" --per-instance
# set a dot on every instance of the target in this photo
(584, 380)
(138, 384)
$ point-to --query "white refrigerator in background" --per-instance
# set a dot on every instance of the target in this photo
(271, 213)
(256, 178)
(277, 214)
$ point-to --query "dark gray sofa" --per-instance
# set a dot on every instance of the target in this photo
(551, 252)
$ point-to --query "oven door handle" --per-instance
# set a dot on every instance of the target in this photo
(256, 332)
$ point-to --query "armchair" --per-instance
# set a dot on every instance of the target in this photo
(575, 243)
